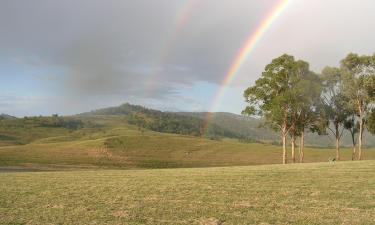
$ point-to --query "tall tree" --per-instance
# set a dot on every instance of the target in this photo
(359, 74)
(307, 105)
(273, 96)
(334, 104)
(306, 93)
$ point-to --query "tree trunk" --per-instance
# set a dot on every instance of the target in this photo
(360, 137)
(354, 152)
(284, 133)
(337, 149)
(293, 148)
(352, 131)
(302, 146)
(337, 142)
(284, 149)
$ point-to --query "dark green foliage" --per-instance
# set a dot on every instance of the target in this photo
(53, 121)
(166, 122)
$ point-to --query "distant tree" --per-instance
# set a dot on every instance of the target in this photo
(359, 78)
(274, 96)
(334, 104)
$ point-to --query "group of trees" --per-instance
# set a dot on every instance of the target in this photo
(53, 121)
(293, 100)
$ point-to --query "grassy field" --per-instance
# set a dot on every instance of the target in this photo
(312, 193)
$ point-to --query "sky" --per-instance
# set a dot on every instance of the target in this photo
(70, 56)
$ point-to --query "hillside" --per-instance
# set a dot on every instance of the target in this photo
(113, 143)
(111, 138)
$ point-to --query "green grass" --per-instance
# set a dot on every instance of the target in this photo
(313, 193)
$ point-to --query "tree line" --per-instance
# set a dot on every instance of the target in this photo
(292, 100)
(54, 121)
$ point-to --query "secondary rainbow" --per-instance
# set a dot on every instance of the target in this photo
(182, 17)
(246, 49)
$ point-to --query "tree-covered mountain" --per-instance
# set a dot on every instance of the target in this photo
(167, 122)
(6, 117)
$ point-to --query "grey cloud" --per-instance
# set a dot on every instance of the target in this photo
(92, 41)
(133, 50)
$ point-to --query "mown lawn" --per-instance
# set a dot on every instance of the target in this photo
(312, 193)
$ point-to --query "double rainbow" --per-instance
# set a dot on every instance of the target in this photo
(247, 48)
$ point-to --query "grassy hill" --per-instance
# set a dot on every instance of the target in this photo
(112, 142)
(108, 138)
(317, 193)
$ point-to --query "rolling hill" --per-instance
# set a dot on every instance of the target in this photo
(111, 138)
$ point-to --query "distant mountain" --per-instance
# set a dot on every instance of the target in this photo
(124, 109)
(167, 122)
(7, 117)
(251, 128)
(241, 126)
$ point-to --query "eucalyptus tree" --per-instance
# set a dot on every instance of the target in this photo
(334, 104)
(308, 92)
(305, 92)
(274, 96)
(359, 74)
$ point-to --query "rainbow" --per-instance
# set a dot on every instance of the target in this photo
(246, 49)
(181, 20)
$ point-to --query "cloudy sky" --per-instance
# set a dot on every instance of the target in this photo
(71, 56)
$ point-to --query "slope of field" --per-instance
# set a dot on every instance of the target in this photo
(317, 193)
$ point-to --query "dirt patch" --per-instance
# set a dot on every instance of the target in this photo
(120, 214)
(101, 152)
(210, 221)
